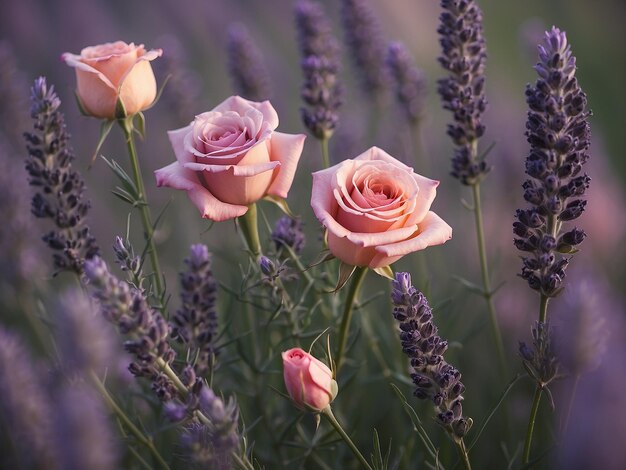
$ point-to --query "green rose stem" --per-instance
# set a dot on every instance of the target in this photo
(128, 424)
(355, 285)
(328, 414)
(250, 230)
(325, 157)
(144, 208)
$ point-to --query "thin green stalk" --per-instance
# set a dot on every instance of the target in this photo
(463, 454)
(250, 230)
(355, 285)
(570, 403)
(531, 424)
(325, 156)
(328, 413)
(134, 430)
(144, 208)
(487, 293)
(543, 308)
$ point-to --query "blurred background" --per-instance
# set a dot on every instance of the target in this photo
(193, 36)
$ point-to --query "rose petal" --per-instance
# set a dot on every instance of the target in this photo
(237, 170)
(286, 149)
(178, 139)
(177, 177)
(74, 60)
(240, 105)
(425, 198)
(433, 230)
(323, 202)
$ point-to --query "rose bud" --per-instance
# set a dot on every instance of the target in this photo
(112, 72)
(309, 381)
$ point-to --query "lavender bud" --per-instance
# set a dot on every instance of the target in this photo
(195, 323)
(288, 232)
(433, 377)
(245, 64)
(364, 41)
(462, 91)
(558, 134)
(148, 332)
(321, 91)
(410, 83)
(25, 409)
(60, 188)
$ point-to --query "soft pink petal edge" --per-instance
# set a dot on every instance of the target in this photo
(177, 140)
(73, 60)
(176, 176)
(149, 56)
(433, 231)
(237, 103)
(286, 149)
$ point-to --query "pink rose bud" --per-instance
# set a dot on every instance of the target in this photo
(112, 72)
(230, 157)
(376, 209)
(309, 381)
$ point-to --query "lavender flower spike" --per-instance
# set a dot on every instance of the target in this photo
(433, 377)
(25, 408)
(364, 40)
(147, 330)
(462, 91)
(410, 82)
(245, 64)
(60, 188)
(212, 445)
(195, 323)
(321, 91)
(558, 133)
(288, 232)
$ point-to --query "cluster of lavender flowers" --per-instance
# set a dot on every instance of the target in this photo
(60, 189)
(462, 91)
(558, 133)
(433, 377)
(364, 40)
(410, 82)
(319, 50)
(246, 66)
(540, 361)
(288, 233)
(213, 441)
(148, 332)
(195, 323)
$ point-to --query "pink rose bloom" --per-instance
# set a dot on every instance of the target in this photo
(113, 71)
(308, 380)
(231, 157)
(376, 209)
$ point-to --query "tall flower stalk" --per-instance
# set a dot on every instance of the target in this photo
(433, 377)
(462, 93)
(321, 90)
(410, 90)
(558, 133)
(245, 64)
(60, 188)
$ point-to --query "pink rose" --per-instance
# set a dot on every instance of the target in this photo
(376, 209)
(231, 157)
(308, 380)
(113, 71)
